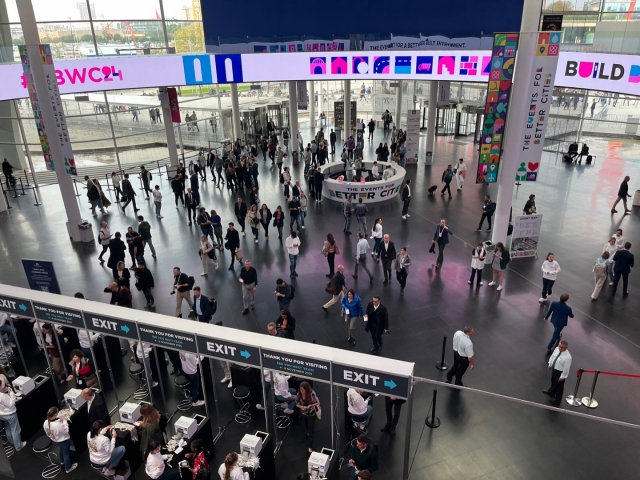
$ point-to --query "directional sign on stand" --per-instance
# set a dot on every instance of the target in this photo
(111, 326)
(371, 380)
(16, 306)
(228, 351)
(60, 315)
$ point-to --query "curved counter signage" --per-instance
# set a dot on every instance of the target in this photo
(369, 192)
(594, 71)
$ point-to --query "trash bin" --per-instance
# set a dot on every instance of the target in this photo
(86, 231)
(429, 160)
(294, 158)
(490, 248)
(636, 199)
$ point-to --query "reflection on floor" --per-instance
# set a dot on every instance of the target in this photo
(480, 437)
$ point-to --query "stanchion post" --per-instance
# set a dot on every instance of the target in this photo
(107, 178)
(433, 422)
(37, 204)
(442, 365)
(573, 400)
(6, 199)
(75, 184)
(589, 401)
(159, 168)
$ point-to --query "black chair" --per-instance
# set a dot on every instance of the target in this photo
(41, 448)
(181, 381)
(241, 394)
(136, 370)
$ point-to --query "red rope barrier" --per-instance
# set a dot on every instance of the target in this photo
(615, 374)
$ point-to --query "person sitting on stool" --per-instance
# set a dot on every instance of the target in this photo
(358, 406)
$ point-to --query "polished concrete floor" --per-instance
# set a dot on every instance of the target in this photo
(480, 437)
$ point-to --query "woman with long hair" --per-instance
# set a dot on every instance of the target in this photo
(102, 450)
(376, 235)
(230, 470)
(199, 455)
(330, 248)
(58, 431)
(154, 465)
(309, 405)
(254, 218)
(499, 265)
(150, 426)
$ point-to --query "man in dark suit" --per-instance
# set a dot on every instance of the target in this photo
(318, 180)
(195, 184)
(130, 193)
(488, 207)
(388, 254)
(332, 141)
(96, 409)
(232, 243)
(406, 199)
(117, 253)
(240, 209)
(441, 237)
(377, 320)
(202, 306)
(621, 268)
(192, 204)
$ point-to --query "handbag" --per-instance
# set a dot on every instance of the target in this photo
(239, 255)
(324, 251)
(433, 248)
(212, 254)
(331, 288)
(336, 250)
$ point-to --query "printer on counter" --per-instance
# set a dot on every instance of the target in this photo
(23, 385)
(73, 398)
(129, 412)
(250, 445)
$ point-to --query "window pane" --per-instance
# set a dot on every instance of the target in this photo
(186, 37)
(48, 11)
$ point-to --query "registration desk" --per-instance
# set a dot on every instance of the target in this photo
(32, 407)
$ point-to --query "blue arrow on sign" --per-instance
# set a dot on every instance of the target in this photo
(245, 354)
(125, 329)
(22, 307)
(390, 383)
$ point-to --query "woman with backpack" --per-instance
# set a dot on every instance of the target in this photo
(600, 271)
(499, 264)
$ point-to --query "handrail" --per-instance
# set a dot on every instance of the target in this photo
(614, 374)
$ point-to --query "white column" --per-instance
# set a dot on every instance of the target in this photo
(293, 118)
(347, 110)
(168, 126)
(235, 112)
(3, 203)
(220, 121)
(432, 112)
(32, 40)
(515, 127)
(311, 86)
(398, 104)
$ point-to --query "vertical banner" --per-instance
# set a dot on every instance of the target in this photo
(498, 95)
(338, 115)
(444, 92)
(303, 95)
(526, 231)
(48, 133)
(540, 94)
(412, 136)
(174, 106)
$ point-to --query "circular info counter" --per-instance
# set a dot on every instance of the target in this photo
(336, 187)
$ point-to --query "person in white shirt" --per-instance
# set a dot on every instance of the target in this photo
(358, 405)
(58, 431)
(102, 450)
(361, 256)
(86, 339)
(155, 467)
(10, 418)
(462, 354)
(376, 236)
(115, 181)
(190, 363)
(478, 256)
(205, 248)
(292, 243)
(615, 243)
(230, 470)
(283, 393)
(104, 235)
(461, 173)
(375, 172)
(157, 200)
(388, 173)
(142, 352)
(560, 366)
(619, 239)
(5, 327)
(550, 270)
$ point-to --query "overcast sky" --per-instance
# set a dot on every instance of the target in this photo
(61, 10)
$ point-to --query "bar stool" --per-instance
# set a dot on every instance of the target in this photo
(99, 469)
(181, 381)
(283, 421)
(241, 394)
(41, 448)
(359, 423)
(136, 370)
(8, 448)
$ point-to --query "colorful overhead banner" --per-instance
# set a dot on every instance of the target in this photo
(497, 105)
(541, 83)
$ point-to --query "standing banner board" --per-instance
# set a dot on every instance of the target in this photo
(444, 92)
(412, 136)
(338, 114)
(174, 106)
(543, 74)
(524, 240)
(59, 132)
(303, 95)
(503, 57)
(41, 276)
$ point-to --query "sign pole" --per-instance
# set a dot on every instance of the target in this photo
(24, 365)
(217, 436)
(113, 380)
(46, 355)
(204, 390)
(164, 398)
(95, 362)
(407, 436)
(264, 395)
(144, 365)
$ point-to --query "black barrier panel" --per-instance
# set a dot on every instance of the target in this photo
(294, 365)
(229, 351)
(370, 380)
(16, 306)
(163, 337)
(116, 327)
(60, 315)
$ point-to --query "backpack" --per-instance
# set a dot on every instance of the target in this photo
(448, 176)
(281, 178)
(589, 158)
(191, 281)
(214, 306)
(293, 292)
(600, 269)
(127, 292)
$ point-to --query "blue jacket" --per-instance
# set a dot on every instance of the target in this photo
(561, 313)
(445, 235)
(355, 307)
(205, 308)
